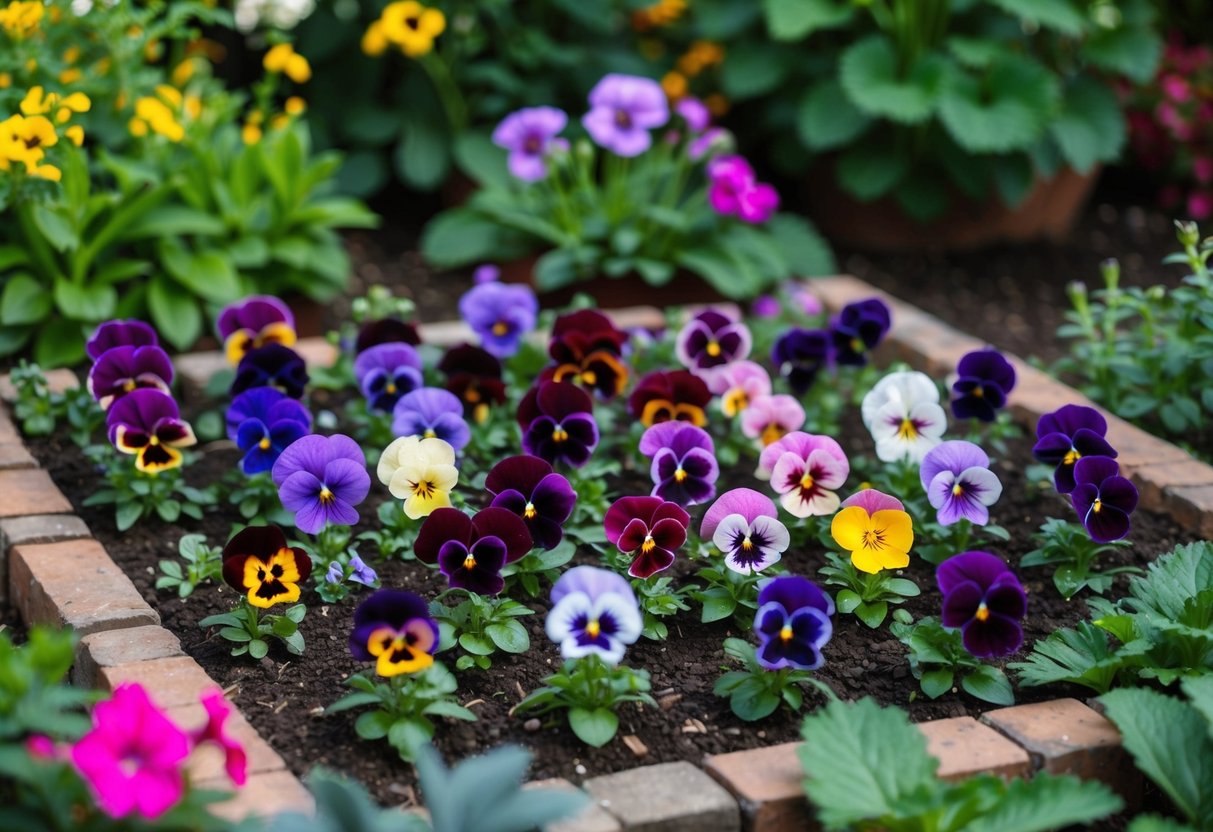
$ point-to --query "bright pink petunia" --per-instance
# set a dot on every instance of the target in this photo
(235, 760)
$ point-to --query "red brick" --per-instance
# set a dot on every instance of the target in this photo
(1153, 480)
(121, 647)
(57, 381)
(270, 793)
(1136, 448)
(170, 682)
(207, 762)
(1192, 507)
(74, 584)
(30, 491)
(965, 747)
(768, 784)
(15, 455)
(37, 528)
(8, 428)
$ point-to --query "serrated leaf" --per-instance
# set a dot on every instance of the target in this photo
(870, 75)
(1006, 108)
(1047, 802)
(1090, 128)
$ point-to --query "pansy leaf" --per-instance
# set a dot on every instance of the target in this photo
(935, 683)
(804, 251)
(990, 685)
(1005, 108)
(752, 700)
(872, 614)
(848, 600)
(870, 75)
(407, 735)
(353, 700)
(24, 301)
(258, 648)
(796, 19)
(717, 604)
(872, 167)
(373, 725)
(510, 636)
(451, 710)
(476, 644)
(127, 515)
(593, 727)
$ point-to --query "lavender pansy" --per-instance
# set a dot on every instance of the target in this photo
(792, 623)
(1103, 498)
(322, 479)
(859, 327)
(695, 113)
(120, 370)
(712, 339)
(263, 422)
(275, 366)
(471, 551)
(744, 526)
(361, 573)
(557, 422)
(1065, 436)
(684, 467)
(800, 355)
(594, 613)
(984, 380)
(147, 424)
(500, 314)
(959, 483)
(385, 372)
(623, 109)
(527, 486)
(739, 384)
(982, 596)
(649, 529)
(431, 413)
(530, 135)
(130, 332)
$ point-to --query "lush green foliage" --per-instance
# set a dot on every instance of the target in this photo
(1067, 547)
(201, 563)
(251, 631)
(589, 691)
(755, 692)
(938, 659)
(481, 626)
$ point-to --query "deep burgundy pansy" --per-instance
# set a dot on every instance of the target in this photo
(527, 486)
(386, 331)
(275, 366)
(1067, 435)
(662, 396)
(471, 551)
(1103, 498)
(474, 375)
(557, 422)
(587, 349)
(982, 596)
(649, 529)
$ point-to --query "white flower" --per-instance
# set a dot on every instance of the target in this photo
(751, 547)
(904, 416)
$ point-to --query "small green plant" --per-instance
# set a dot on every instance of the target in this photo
(755, 692)
(481, 626)
(136, 495)
(727, 592)
(659, 599)
(868, 596)
(33, 696)
(251, 631)
(589, 690)
(39, 409)
(396, 533)
(201, 562)
(938, 660)
(1069, 549)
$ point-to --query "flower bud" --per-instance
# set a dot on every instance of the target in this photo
(1187, 232)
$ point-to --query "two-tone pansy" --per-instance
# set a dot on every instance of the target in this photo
(806, 469)
(745, 526)
(124, 369)
(684, 468)
(648, 529)
(474, 375)
(770, 418)
(792, 623)
(431, 413)
(903, 414)
(959, 483)
(587, 349)
(147, 424)
(419, 471)
(393, 629)
(982, 596)
(594, 613)
(712, 339)
(263, 422)
(738, 384)
(259, 564)
(472, 551)
(557, 422)
(544, 499)
(253, 323)
(322, 479)
(673, 395)
(385, 372)
(875, 529)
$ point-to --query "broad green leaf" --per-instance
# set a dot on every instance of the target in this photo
(1007, 108)
(59, 343)
(871, 168)
(88, 302)
(753, 69)
(510, 636)
(989, 684)
(1199, 690)
(935, 683)
(459, 237)
(872, 614)
(407, 735)
(1014, 177)
(1154, 823)
(174, 312)
(555, 269)
(173, 220)
(922, 195)
(1079, 656)
(1090, 127)
(208, 274)
(362, 173)
(25, 301)
(1045, 803)
(55, 227)
(1129, 50)
(1063, 15)
(870, 75)
(593, 727)
(423, 156)
(796, 19)
(476, 644)
(483, 161)
(826, 118)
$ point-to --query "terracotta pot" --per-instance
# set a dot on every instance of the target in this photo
(617, 292)
(1049, 211)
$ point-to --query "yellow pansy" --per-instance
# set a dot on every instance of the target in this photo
(6, 80)
(19, 18)
(374, 41)
(412, 26)
(877, 541)
(284, 59)
(75, 134)
(420, 471)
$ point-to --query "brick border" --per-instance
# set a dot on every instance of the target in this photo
(758, 790)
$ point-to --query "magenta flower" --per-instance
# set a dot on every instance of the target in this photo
(527, 486)
(805, 471)
(745, 526)
(501, 315)
(649, 529)
(623, 109)
(385, 372)
(594, 613)
(120, 370)
(712, 339)
(322, 479)
(147, 424)
(471, 551)
(431, 412)
(1103, 499)
(273, 365)
(254, 323)
(263, 422)
(984, 380)
(858, 328)
(132, 758)
(684, 467)
(738, 384)
(1065, 436)
(959, 483)
(800, 355)
(557, 421)
(982, 596)
(235, 759)
(530, 135)
(120, 333)
(792, 623)
(695, 113)
(770, 418)
(734, 190)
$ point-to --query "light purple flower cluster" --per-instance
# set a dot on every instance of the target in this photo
(623, 109)
(530, 135)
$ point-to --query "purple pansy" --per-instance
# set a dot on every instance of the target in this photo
(1103, 498)
(275, 366)
(263, 422)
(393, 628)
(530, 135)
(792, 623)
(120, 370)
(501, 314)
(147, 424)
(1065, 436)
(385, 372)
(471, 551)
(800, 354)
(253, 323)
(120, 333)
(361, 573)
(527, 486)
(859, 327)
(623, 109)
(984, 380)
(744, 525)
(321, 479)
(431, 412)
(712, 339)
(557, 422)
(959, 483)
(982, 596)
(594, 613)
(649, 529)
(684, 468)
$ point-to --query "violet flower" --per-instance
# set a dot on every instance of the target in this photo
(275, 366)
(474, 375)
(770, 418)
(431, 413)
(959, 483)
(684, 467)
(695, 113)
(501, 315)
(857, 329)
(712, 339)
(120, 370)
(471, 551)
(527, 486)
(385, 372)
(649, 529)
(982, 596)
(557, 422)
(253, 323)
(530, 135)
(263, 422)
(766, 306)
(734, 190)
(130, 332)
(623, 109)
(984, 380)
(738, 384)
(1103, 499)
(800, 355)
(321, 479)
(393, 628)
(1065, 436)
(745, 526)
(594, 613)
(792, 623)
(661, 396)
(486, 273)
(805, 471)
(147, 424)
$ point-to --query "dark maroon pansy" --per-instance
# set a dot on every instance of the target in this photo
(123, 333)
(120, 370)
(984, 379)
(386, 331)
(1103, 498)
(471, 551)
(474, 375)
(587, 349)
(649, 529)
(527, 486)
(271, 366)
(557, 422)
(1065, 436)
(982, 596)
(800, 355)
(675, 395)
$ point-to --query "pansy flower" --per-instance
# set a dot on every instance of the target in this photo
(393, 629)
(959, 483)
(258, 563)
(419, 471)
(527, 486)
(800, 355)
(792, 623)
(745, 526)
(147, 424)
(431, 413)
(235, 759)
(984, 379)
(471, 551)
(263, 422)
(474, 375)
(594, 613)
(694, 113)
(529, 135)
(120, 333)
(385, 372)
(273, 365)
(684, 467)
(386, 331)
(1065, 436)
(903, 414)
(712, 339)
(649, 529)
(857, 329)
(557, 422)
(875, 529)
(322, 479)
(1103, 498)
(587, 349)
(623, 109)
(770, 418)
(121, 370)
(982, 596)
(738, 384)
(500, 314)
(661, 396)
(805, 471)
(253, 323)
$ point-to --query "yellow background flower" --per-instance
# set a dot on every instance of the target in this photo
(412, 26)
(284, 59)
(419, 471)
(876, 541)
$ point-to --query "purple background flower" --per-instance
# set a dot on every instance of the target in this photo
(557, 422)
(321, 479)
(500, 314)
(471, 551)
(959, 483)
(623, 109)
(253, 314)
(684, 467)
(119, 370)
(527, 486)
(385, 372)
(529, 135)
(431, 412)
(800, 354)
(984, 380)
(1103, 499)
(792, 623)
(711, 339)
(1065, 436)
(982, 596)
(859, 327)
(263, 422)
(120, 333)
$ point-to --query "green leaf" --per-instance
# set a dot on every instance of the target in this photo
(208, 274)
(127, 514)
(459, 237)
(174, 220)
(805, 252)
(1079, 656)
(1047, 802)
(25, 301)
(555, 269)
(1129, 50)
(55, 227)
(935, 683)
(848, 600)
(59, 343)
(1008, 108)
(423, 157)
(1090, 127)
(826, 118)
(752, 700)
(1061, 15)
(353, 700)
(873, 82)
(174, 312)
(476, 644)
(373, 725)
(796, 19)
(989, 684)
(872, 614)
(593, 727)
(91, 303)
(1013, 176)
(1199, 690)
(483, 161)
(510, 636)
(753, 69)
(871, 168)
(718, 604)
(258, 648)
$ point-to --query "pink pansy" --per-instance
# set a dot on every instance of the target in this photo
(738, 384)
(743, 524)
(132, 758)
(872, 501)
(235, 760)
(770, 418)
(806, 472)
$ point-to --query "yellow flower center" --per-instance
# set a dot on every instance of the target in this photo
(326, 496)
(983, 612)
(154, 440)
(747, 545)
(957, 490)
(589, 377)
(391, 388)
(593, 628)
(648, 545)
(423, 489)
(978, 392)
(806, 482)
(713, 348)
(500, 328)
(481, 413)
(1097, 505)
(560, 434)
(907, 430)
(264, 444)
(128, 385)
(786, 633)
(470, 561)
(429, 433)
(680, 475)
(1071, 457)
(873, 539)
(772, 433)
(529, 512)
(734, 402)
